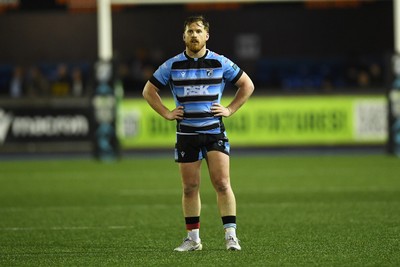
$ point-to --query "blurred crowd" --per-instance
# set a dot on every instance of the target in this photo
(44, 80)
(323, 75)
(278, 75)
(73, 79)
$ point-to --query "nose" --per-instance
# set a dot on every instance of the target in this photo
(193, 34)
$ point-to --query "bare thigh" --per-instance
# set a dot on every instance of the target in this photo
(218, 167)
(190, 174)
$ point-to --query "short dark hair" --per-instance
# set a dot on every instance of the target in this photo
(198, 18)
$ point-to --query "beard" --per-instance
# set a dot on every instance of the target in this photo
(194, 45)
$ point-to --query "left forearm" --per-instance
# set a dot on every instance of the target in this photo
(245, 90)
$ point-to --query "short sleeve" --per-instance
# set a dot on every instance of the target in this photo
(232, 72)
(162, 75)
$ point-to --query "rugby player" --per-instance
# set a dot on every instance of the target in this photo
(197, 78)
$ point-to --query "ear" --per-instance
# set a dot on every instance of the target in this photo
(207, 36)
(183, 37)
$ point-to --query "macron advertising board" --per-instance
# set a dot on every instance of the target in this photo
(45, 125)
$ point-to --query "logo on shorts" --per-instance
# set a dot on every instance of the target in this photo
(183, 154)
(220, 142)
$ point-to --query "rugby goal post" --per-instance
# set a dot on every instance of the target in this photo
(105, 52)
(394, 91)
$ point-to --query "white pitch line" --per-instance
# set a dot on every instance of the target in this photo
(63, 228)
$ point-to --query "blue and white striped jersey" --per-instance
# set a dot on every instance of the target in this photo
(196, 84)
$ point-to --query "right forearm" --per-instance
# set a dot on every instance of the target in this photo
(154, 100)
(150, 93)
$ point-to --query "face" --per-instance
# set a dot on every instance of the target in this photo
(195, 37)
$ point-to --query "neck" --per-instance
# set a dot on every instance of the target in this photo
(199, 54)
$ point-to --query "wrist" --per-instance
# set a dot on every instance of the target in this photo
(230, 111)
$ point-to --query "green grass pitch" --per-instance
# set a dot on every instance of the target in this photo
(313, 210)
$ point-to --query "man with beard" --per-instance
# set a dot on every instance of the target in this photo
(197, 79)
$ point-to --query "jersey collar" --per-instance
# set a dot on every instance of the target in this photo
(196, 59)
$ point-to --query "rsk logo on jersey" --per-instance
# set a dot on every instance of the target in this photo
(196, 90)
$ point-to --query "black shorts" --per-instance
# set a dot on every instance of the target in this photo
(194, 147)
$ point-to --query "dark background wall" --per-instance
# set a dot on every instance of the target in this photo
(288, 29)
(299, 45)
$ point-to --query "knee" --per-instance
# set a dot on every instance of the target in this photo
(222, 186)
(190, 189)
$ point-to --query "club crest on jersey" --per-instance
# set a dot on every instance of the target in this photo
(209, 73)
(196, 90)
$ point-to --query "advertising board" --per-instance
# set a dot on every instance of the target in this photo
(45, 125)
(270, 121)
